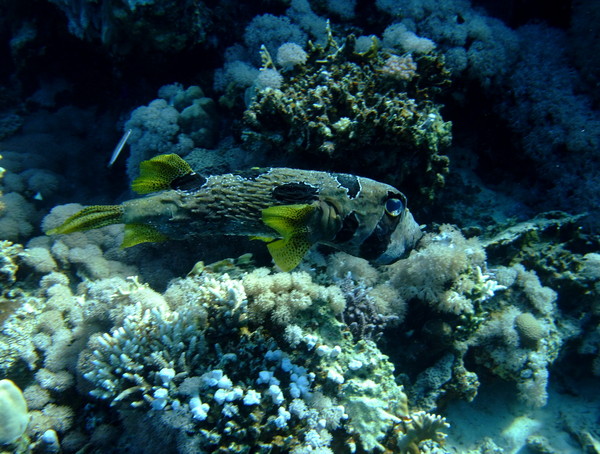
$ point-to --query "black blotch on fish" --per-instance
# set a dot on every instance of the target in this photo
(295, 193)
(349, 226)
(350, 182)
(380, 237)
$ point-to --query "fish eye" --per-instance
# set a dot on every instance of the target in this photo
(394, 207)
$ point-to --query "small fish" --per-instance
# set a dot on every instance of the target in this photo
(289, 209)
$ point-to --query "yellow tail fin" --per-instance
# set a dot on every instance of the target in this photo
(89, 218)
(291, 222)
(158, 173)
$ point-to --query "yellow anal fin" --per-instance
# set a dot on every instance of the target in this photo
(159, 172)
(92, 217)
(141, 233)
(291, 222)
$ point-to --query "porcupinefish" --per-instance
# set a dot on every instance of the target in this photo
(289, 209)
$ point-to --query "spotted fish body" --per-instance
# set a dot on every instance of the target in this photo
(290, 209)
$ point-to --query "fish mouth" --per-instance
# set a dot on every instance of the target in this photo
(405, 237)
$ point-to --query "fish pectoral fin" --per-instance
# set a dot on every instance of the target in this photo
(92, 217)
(141, 233)
(158, 173)
(291, 222)
(287, 253)
(288, 220)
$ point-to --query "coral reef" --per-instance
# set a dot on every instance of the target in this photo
(213, 353)
(473, 315)
(526, 75)
(148, 25)
(177, 122)
(289, 361)
(491, 326)
(341, 100)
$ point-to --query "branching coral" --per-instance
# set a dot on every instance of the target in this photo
(127, 364)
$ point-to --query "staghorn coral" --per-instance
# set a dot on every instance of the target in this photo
(127, 364)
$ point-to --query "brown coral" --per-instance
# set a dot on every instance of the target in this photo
(530, 330)
(341, 104)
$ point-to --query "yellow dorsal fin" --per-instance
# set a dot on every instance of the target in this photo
(291, 222)
(159, 172)
(141, 233)
(92, 217)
